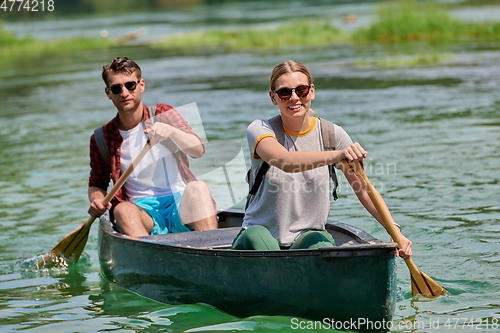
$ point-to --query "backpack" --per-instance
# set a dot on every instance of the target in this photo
(327, 131)
(103, 147)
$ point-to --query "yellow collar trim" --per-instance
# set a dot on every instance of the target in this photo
(304, 133)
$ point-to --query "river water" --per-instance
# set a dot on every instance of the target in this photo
(432, 132)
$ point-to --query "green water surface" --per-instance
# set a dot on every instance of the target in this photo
(432, 132)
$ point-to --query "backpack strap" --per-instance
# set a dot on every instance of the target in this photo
(258, 178)
(152, 114)
(329, 143)
(101, 144)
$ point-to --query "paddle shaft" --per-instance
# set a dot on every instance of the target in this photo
(71, 246)
(384, 213)
(421, 283)
(123, 178)
(378, 203)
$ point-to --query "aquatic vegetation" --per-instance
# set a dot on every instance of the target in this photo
(296, 32)
(13, 47)
(402, 61)
(398, 21)
(409, 20)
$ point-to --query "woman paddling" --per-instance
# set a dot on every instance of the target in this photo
(290, 207)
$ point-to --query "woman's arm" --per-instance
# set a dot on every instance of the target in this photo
(271, 151)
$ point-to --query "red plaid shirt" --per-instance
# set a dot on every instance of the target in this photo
(101, 171)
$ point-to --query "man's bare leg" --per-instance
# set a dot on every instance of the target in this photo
(197, 207)
(133, 220)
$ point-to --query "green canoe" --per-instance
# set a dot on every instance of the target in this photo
(350, 286)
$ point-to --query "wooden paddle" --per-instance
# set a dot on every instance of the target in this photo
(69, 249)
(420, 282)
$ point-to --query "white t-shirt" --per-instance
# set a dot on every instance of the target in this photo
(156, 175)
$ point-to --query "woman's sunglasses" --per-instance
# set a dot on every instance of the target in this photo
(117, 88)
(286, 93)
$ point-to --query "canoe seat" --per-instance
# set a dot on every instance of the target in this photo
(208, 239)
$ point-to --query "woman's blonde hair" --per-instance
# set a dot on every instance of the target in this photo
(289, 66)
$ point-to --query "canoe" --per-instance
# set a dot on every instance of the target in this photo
(352, 282)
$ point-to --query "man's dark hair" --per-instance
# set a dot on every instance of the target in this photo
(122, 65)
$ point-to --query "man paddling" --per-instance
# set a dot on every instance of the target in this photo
(162, 195)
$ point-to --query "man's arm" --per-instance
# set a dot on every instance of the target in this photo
(96, 197)
(170, 123)
(188, 143)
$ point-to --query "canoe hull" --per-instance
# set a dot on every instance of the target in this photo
(342, 283)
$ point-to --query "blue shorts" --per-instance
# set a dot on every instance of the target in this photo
(165, 213)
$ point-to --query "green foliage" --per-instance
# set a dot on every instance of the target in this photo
(292, 33)
(6, 38)
(409, 20)
(403, 61)
(398, 21)
(12, 47)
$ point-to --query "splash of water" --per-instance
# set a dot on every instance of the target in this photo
(41, 262)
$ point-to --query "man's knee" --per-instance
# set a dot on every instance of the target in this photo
(124, 208)
(197, 190)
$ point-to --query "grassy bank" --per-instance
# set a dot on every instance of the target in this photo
(408, 20)
(292, 33)
(404, 61)
(398, 21)
(12, 47)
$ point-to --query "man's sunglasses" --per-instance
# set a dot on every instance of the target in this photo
(117, 88)
(286, 93)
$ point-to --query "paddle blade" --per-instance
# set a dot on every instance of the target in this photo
(70, 248)
(422, 284)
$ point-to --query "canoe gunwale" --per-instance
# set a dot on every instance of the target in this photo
(369, 246)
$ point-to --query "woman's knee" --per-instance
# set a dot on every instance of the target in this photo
(256, 237)
(313, 239)
(257, 232)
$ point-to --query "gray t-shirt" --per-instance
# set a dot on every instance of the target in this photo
(290, 203)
